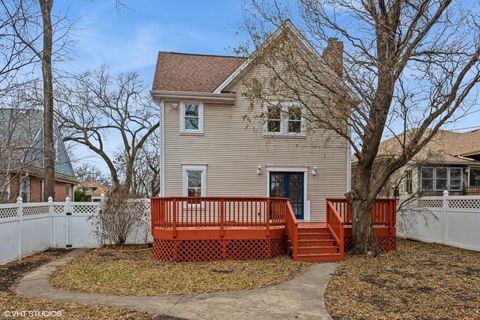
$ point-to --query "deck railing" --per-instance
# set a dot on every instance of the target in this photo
(383, 211)
(176, 212)
(291, 226)
(335, 225)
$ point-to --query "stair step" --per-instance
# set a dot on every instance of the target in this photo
(314, 235)
(315, 242)
(317, 249)
(312, 230)
(321, 257)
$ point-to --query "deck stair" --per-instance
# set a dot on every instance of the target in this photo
(316, 244)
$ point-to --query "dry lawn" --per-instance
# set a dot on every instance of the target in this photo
(133, 271)
(9, 301)
(419, 281)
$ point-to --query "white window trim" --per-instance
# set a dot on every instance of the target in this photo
(202, 168)
(284, 120)
(200, 117)
(306, 202)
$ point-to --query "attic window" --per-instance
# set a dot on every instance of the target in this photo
(191, 117)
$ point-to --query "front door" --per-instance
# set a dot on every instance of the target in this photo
(289, 185)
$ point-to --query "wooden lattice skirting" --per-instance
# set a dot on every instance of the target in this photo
(387, 240)
(218, 249)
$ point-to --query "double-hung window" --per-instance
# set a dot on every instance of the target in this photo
(474, 177)
(25, 189)
(191, 117)
(284, 119)
(194, 181)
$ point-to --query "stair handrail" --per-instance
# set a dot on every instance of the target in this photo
(335, 225)
(292, 229)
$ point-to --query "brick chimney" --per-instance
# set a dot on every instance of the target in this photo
(333, 55)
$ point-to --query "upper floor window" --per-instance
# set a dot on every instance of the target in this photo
(191, 117)
(285, 119)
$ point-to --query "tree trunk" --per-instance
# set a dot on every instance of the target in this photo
(364, 240)
(48, 138)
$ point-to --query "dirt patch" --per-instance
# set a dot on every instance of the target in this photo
(10, 302)
(10, 273)
(130, 271)
(418, 281)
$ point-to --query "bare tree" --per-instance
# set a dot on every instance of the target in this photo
(97, 106)
(146, 170)
(33, 27)
(86, 172)
(408, 66)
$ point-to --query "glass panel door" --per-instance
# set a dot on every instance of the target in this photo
(289, 185)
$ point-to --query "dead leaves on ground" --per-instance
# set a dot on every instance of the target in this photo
(134, 272)
(419, 281)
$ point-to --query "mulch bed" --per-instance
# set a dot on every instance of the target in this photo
(12, 272)
(133, 271)
(418, 281)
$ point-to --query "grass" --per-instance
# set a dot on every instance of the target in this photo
(9, 301)
(133, 271)
(418, 281)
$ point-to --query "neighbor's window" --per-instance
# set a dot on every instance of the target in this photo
(284, 119)
(191, 117)
(474, 177)
(25, 189)
(427, 179)
(274, 119)
(194, 181)
(4, 188)
(441, 178)
(408, 182)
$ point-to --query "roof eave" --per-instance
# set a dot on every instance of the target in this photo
(209, 97)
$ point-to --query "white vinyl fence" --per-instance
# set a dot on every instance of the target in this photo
(451, 220)
(26, 228)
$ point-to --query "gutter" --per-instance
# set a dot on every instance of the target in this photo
(209, 97)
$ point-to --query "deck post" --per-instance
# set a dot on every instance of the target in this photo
(174, 217)
(222, 218)
(267, 217)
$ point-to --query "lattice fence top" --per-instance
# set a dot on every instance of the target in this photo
(35, 209)
(430, 203)
(85, 208)
(59, 208)
(463, 203)
(8, 211)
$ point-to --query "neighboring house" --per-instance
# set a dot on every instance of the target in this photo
(207, 149)
(21, 158)
(450, 161)
(91, 190)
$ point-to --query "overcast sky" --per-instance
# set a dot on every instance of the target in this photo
(130, 38)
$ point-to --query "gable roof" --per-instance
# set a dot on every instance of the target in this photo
(446, 147)
(21, 132)
(192, 72)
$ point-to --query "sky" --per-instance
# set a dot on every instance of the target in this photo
(129, 39)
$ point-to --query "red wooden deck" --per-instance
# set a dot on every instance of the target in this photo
(218, 228)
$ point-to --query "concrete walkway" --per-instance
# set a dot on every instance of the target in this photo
(299, 298)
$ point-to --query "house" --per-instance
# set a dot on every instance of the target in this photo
(21, 158)
(450, 161)
(91, 191)
(217, 170)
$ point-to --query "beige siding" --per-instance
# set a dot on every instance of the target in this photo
(232, 151)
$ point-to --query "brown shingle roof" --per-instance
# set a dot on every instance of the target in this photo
(445, 147)
(192, 72)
